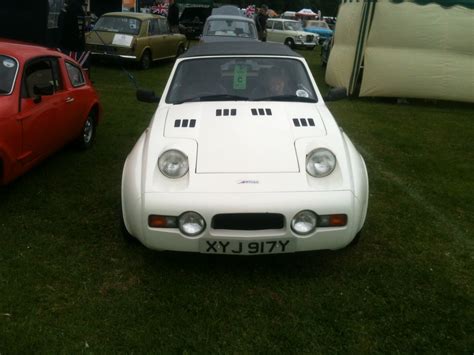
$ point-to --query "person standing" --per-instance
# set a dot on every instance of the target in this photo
(261, 23)
(173, 16)
(72, 25)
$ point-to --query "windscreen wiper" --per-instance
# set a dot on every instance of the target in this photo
(287, 98)
(218, 97)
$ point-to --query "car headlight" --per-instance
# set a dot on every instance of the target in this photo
(304, 222)
(320, 162)
(191, 223)
(300, 37)
(173, 164)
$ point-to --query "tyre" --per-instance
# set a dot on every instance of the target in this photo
(145, 61)
(87, 136)
(290, 43)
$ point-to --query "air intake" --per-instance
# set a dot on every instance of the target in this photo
(185, 123)
(303, 122)
(226, 112)
(261, 111)
(248, 221)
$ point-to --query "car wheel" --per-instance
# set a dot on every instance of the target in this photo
(87, 137)
(290, 43)
(180, 50)
(145, 61)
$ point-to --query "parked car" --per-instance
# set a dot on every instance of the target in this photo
(220, 28)
(139, 37)
(192, 19)
(290, 33)
(46, 101)
(243, 157)
(320, 28)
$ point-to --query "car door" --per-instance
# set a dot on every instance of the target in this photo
(155, 39)
(42, 127)
(278, 33)
(170, 41)
(270, 34)
(77, 98)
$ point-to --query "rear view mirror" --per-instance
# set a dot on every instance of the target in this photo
(147, 96)
(336, 94)
(43, 89)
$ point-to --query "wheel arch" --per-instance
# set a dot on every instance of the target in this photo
(360, 180)
(132, 189)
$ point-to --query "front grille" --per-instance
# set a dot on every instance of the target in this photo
(309, 38)
(248, 221)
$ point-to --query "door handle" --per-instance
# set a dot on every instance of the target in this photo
(69, 99)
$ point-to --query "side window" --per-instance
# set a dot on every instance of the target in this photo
(278, 26)
(75, 75)
(38, 73)
(58, 83)
(269, 25)
(164, 28)
(153, 28)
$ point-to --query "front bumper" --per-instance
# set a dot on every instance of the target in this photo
(209, 204)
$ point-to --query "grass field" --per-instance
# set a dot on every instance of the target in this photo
(69, 282)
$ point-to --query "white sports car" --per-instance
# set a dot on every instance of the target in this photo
(243, 157)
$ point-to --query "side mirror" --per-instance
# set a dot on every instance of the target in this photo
(147, 96)
(336, 94)
(43, 89)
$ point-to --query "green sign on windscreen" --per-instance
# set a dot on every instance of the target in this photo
(240, 77)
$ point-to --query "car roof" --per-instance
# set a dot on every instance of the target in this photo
(24, 51)
(230, 17)
(137, 15)
(231, 10)
(281, 20)
(240, 48)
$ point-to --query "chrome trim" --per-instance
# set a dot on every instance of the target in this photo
(115, 55)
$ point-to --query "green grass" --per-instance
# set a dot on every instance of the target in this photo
(69, 282)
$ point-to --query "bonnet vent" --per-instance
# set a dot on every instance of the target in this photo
(303, 122)
(261, 111)
(226, 112)
(185, 123)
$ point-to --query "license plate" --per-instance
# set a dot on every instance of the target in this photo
(246, 247)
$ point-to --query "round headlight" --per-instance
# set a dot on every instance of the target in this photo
(191, 223)
(173, 164)
(320, 162)
(300, 36)
(304, 222)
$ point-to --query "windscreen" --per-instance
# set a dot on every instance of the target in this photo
(118, 24)
(8, 70)
(254, 79)
(229, 28)
(293, 26)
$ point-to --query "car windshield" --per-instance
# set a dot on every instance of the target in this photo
(246, 78)
(118, 24)
(229, 28)
(8, 70)
(293, 26)
(321, 24)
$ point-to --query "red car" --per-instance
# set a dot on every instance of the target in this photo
(46, 101)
